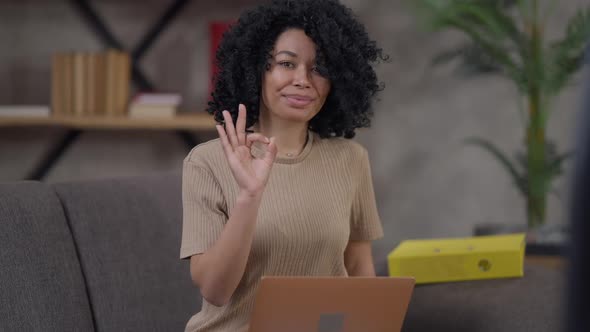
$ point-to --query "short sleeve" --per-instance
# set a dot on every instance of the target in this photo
(365, 224)
(203, 209)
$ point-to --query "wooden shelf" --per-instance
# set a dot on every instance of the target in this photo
(197, 121)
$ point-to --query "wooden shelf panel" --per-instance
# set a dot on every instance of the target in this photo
(197, 121)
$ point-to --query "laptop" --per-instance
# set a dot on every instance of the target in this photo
(331, 304)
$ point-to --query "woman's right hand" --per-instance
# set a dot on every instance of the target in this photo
(250, 172)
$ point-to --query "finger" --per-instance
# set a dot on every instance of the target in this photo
(227, 148)
(230, 129)
(271, 151)
(256, 137)
(241, 124)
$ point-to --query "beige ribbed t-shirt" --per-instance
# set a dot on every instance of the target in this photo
(313, 205)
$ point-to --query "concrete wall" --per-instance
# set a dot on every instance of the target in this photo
(428, 183)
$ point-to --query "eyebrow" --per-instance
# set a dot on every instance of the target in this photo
(293, 54)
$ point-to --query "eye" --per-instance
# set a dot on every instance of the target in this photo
(287, 64)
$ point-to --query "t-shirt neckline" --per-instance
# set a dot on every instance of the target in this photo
(300, 157)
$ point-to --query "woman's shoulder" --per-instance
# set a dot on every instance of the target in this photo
(208, 153)
(342, 146)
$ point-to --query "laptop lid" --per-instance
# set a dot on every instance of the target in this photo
(331, 304)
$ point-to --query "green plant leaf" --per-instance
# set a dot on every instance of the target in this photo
(506, 23)
(474, 60)
(555, 163)
(520, 157)
(495, 40)
(519, 179)
(450, 55)
(565, 56)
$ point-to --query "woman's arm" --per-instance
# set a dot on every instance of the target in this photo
(219, 270)
(358, 259)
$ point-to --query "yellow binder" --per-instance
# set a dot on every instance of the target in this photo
(457, 259)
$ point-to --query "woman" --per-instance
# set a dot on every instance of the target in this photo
(281, 192)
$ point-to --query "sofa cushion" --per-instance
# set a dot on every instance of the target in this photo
(531, 303)
(41, 282)
(128, 233)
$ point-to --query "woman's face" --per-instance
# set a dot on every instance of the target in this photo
(292, 88)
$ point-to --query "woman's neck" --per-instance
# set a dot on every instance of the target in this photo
(290, 137)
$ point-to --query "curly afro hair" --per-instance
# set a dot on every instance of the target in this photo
(344, 52)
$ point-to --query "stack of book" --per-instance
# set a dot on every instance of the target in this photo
(154, 105)
(90, 84)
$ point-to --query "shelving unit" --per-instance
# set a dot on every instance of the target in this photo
(185, 126)
(197, 122)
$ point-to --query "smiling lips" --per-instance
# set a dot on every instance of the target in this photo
(298, 100)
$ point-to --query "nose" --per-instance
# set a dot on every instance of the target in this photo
(301, 78)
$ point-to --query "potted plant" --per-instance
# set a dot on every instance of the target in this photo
(507, 37)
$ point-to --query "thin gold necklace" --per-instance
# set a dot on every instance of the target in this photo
(291, 155)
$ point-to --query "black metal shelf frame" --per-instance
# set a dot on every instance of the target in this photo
(138, 77)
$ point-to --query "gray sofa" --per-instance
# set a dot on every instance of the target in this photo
(102, 255)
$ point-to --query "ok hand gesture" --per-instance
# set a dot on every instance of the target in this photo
(250, 172)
